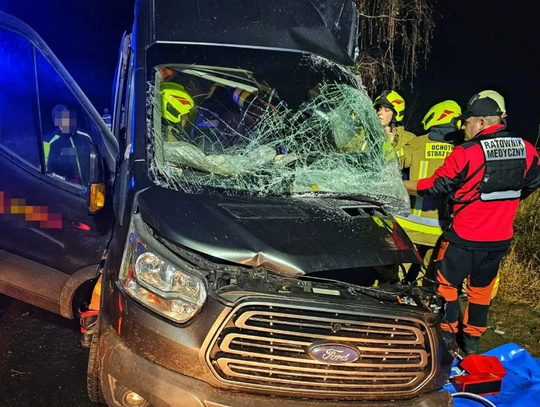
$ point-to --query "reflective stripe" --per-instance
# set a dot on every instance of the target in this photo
(423, 169)
(496, 286)
(400, 152)
(418, 207)
(47, 147)
(82, 133)
(426, 221)
(500, 195)
(422, 174)
(428, 229)
(240, 96)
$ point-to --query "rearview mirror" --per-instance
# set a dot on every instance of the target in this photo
(96, 181)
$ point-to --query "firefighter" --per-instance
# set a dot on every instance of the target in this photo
(390, 108)
(485, 178)
(176, 105)
(423, 155)
(67, 152)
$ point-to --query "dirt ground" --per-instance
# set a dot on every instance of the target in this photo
(519, 322)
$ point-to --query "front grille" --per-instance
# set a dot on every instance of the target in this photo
(265, 347)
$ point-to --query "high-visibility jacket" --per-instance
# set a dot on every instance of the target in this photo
(423, 156)
(485, 178)
(67, 156)
(401, 139)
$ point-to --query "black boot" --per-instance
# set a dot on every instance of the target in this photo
(471, 344)
(88, 321)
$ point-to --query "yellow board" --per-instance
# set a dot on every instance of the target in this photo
(438, 150)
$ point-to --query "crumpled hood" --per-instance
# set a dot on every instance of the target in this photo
(294, 235)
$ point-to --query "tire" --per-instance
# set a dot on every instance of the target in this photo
(93, 382)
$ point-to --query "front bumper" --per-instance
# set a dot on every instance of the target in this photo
(165, 388)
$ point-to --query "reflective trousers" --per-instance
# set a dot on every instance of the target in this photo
(453, 264)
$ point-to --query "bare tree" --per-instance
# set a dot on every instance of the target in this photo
(394, 36)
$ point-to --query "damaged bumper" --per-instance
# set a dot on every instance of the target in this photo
(164, 388)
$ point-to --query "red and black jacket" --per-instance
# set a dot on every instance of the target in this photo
(484, 179)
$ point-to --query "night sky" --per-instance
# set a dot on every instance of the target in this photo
(484, 44)
(478, 44)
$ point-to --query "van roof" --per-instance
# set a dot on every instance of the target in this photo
(324, 27)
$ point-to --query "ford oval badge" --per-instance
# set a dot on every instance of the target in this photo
(333, 353)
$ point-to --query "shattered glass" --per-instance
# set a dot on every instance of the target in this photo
(313, 134)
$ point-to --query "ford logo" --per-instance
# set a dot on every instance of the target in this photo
(334, 354)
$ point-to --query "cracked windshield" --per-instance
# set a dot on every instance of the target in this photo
(308, 128)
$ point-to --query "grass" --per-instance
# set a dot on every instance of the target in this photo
(519, 322)
(520, 269)
(515, 310)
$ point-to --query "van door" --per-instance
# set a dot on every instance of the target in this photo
(122, 107)
(49, 243)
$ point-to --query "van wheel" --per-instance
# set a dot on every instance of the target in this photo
(93, 384)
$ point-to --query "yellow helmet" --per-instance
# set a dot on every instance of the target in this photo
(392, 100)
(446, 112)
(496, 96)
(176, 102)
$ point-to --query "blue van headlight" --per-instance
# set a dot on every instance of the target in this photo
(160, 283)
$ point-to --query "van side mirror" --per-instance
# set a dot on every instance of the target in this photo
(96, 181)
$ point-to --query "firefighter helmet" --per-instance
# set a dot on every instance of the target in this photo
(392, 100)
(446, 112)
(496, 96)
(176, 101)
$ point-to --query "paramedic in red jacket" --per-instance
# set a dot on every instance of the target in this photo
(484, 179)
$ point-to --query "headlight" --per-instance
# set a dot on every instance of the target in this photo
(163, 286)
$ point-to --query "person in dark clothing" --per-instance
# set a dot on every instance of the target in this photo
(484, 179)
(67, 153)
(225, 116)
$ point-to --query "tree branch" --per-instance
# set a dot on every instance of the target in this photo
(386, 16)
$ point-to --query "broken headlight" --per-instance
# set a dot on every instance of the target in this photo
(151, 276)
